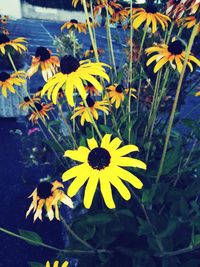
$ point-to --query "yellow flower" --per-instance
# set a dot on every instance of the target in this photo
(48, 195)
(71, 77)
(90, 52)
(111, 5)
(119, 15)
(102, 165)
(73, 24)
(40, 111)
(94, 106)
(173, 53)
(7, 81)
(16, 43)
(190, 22)
(93, 24)
(43, 59)
(192, 5)
(56, 264)
(29, 102)
(151, 16)
(117, 93)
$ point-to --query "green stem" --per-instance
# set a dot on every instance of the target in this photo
(110, 41)
(66, 125)
(75, 235)
(38, 243)
(188, 50)
(142, 42)
(90, 31)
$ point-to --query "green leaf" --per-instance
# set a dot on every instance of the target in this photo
(172, 157)
(105, 129)
(125, 212)
(35, 264)
(99, 218)
(193, 125)
(53, 123)
(34, 238)
(196, 240)
(169, 229)
(148, 194)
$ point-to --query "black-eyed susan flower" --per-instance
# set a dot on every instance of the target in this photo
(175, 9)
(190, 22)
(56, 264)
(103, 164)
(29, 102)
(150, 16)
(48, 195)
(38, 92)
(90, 52)
(71, 76)
(110, 4)
(93, 24)
(117, 93)
(91, 89)
(192, 5)
(73, 24)
(94, 107)
(119, 15)
(174, 53)
(43, 59)
(8, 81)
(15, 43)
(40, 110)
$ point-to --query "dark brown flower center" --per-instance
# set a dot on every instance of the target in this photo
(43, 53)
(119, 88)
(4, 76)
(90, 102)
(99, 158)
(44, 190)
(176, 2)
(90, 19)
(74, 21)
(69, 64)
(26, 99)
(176, 47)
(37, 107)
(4, 39)
(151, 9)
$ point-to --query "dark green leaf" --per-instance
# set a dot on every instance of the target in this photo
(34, 238)
(99, 218)
(35, 264)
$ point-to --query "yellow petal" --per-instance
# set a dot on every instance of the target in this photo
(106, 192)
(92, 143)
(129, 177)
(90, 190)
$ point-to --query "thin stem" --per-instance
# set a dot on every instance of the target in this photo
(171, 120)
(142, 42)
(90, 31)
(75, 235)
(110, 41)
(38, 243)
(67, 126)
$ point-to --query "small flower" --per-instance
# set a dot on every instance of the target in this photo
(93, 24)
(90, 52)
(110, 4)
(190, 22)
(94, 107)
(119, 15)
(71, 76)
(102, 165)
(91, 89)
(33, 130)
(40, 111)
(7, 81)
(172, 53)
(151, 16)
(175, 9)
(16, 43)
(73, 24)
(29, 102)
(56, 264)
(48, 195)
(45, 61)
(117, 93)
(192, 5)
